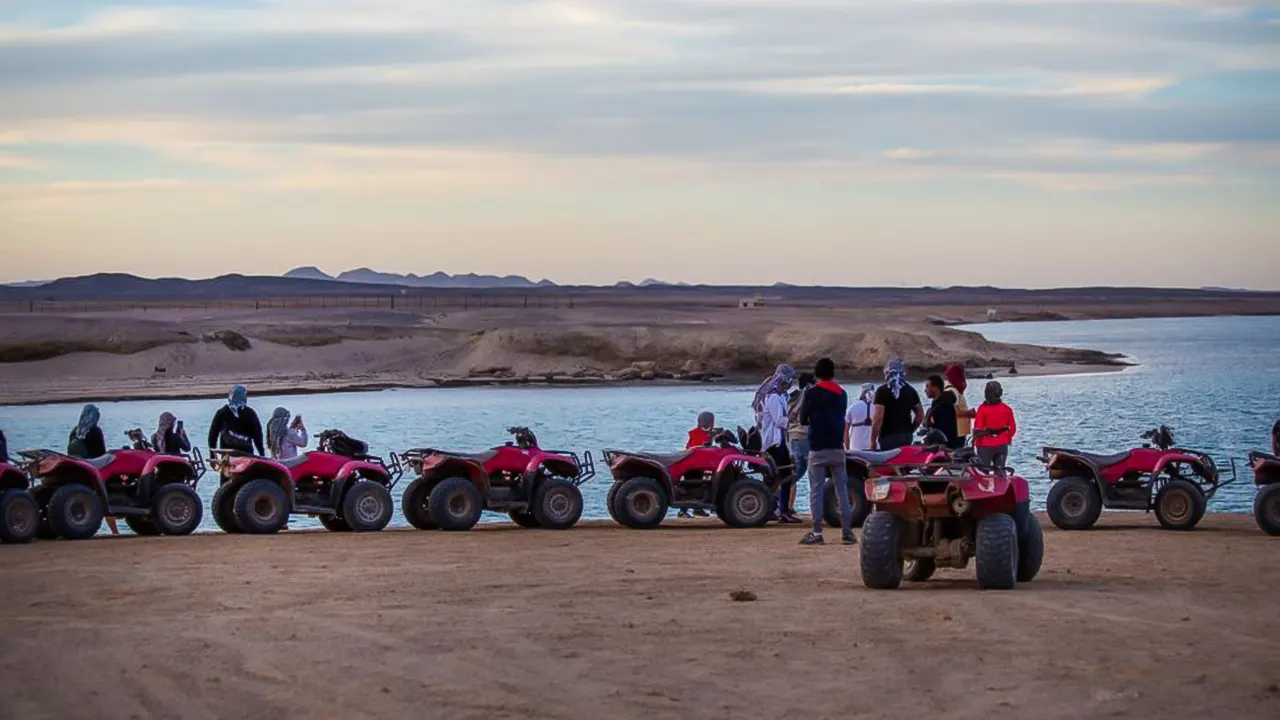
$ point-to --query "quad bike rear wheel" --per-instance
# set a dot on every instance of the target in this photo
(747, 504)
(455, 504)
(1074, 503)
(997, 552)
(19, 516)
(640, 504)
(608, 500)
(177, 509)
(880, 552)
(141, 525)
(557, 504)
(261, 507)
(367, 506)
(75, 511)
(1030, 549)
(858, 503)
(333, 523)
(1266, 509)
(1179, 505)
(415, 502)
(223, 507)
(523, 518)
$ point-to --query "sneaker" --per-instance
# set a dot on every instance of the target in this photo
(701, 513)
(812, 539)
(848, 539)
(790, 520)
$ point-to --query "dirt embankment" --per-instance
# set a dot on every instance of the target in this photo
(599, 621)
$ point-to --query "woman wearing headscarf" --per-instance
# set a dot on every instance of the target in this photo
(770, 406)
(798, 446)
(285, 438)
(86, 440)
(170, 437)
(956, 385)
(898, 411)
(236, 426)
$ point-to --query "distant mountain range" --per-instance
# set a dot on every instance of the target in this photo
(365, 276)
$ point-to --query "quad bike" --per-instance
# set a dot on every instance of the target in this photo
(347, 489)
(154, 492)
(944, 515)
(862, 464)
(535, 487)
(1266, 504)
(731, 477)
(1176, 483)
(19, 512)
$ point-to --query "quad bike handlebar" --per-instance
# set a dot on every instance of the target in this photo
(1161, 437)
(525, 439)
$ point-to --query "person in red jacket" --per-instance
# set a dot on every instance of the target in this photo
(701, 435)
(994, 427)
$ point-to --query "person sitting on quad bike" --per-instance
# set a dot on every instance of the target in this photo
(700, 436)
(236, 426)
(994, 427)
(170, 437)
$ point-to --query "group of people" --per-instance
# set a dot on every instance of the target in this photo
(806, 424)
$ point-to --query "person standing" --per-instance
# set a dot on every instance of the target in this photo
(87, 442)
(942, 410)
(798, 445)
(770, 406)
(956, 385)
(994, 427)
(857, 420)
(170, 437)
(1275, 438)
(4, 448)
(236, 426)
(898, 411)
(822, 410)
(284, 438)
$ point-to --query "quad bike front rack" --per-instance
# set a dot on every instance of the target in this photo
(586, 464)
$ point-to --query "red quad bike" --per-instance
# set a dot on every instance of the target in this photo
(732, 478)
(1176, 483)
(154, 492)
(19, 512)
(535, 487)
(863, 464)
(1266, 504)
(339, 483)
(943, 515)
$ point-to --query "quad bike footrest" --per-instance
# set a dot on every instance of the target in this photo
(313, 510)
(124, 510)
(691, 505)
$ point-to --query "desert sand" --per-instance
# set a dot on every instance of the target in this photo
(1124, 621)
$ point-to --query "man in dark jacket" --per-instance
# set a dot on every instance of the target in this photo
(822, 411)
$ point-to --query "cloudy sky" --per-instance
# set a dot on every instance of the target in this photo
(896, 142)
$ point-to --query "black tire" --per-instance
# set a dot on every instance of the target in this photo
(367, 506)
(75, 511)
(523, 518)
(746, 504)
(919, 570)
(1266, 509)
(455, 504)
(997, 552)
(141, 525)
(608, 500)
(19, 516)
(880, 551)
(1179, 505)
(223, 508)
(261, 507)
(858, 502)
(1074, 503)
(177, 509)
(414, 503)
(1030, 549)
(557, 504)
(333, 523)
(640, 504)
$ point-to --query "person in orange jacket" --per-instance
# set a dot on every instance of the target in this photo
(994, 427)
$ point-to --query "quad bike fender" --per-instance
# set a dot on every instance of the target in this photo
(240, 469)
(731, 461)
(11, 478)
(353, 470)
(54, 472)
(988, 487)
(440, 466)
(1266, 469)
(1062, 464)
(554, 464)
(1210, 473)
(625, 468)
(172, 467)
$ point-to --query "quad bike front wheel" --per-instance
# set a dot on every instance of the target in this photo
(367, 506)
(333, 523)
(747, 504)
(1179, 505)
(1074, 503)
(1030, 549)
(261, 507)
(997, 552)
(859, 506)
(880, 551)
(177, 509)
(640, 504)
(557, 505)
(19, 516)
(75, 511)
(455, 504)
(141, 525)
(415, 504)
(523, 518)
(1266, 509)
(223, 507)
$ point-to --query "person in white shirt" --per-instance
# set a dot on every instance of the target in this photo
(284, 437)
(858, 418)
(770, 406)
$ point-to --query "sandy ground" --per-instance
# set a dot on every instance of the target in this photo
(602, 622)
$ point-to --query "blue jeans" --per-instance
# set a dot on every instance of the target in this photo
(799, 456)
(826, 464)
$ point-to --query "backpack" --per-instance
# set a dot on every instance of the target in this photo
(339, 443)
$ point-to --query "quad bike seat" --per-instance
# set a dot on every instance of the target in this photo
(874, 457)
(480, 457)
(666, 460)
(294, 461)
(102, 461)
(1102, 460)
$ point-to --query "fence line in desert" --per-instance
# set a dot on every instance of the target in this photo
(393, 302)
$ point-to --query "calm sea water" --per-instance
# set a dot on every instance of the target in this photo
(1216, 381)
